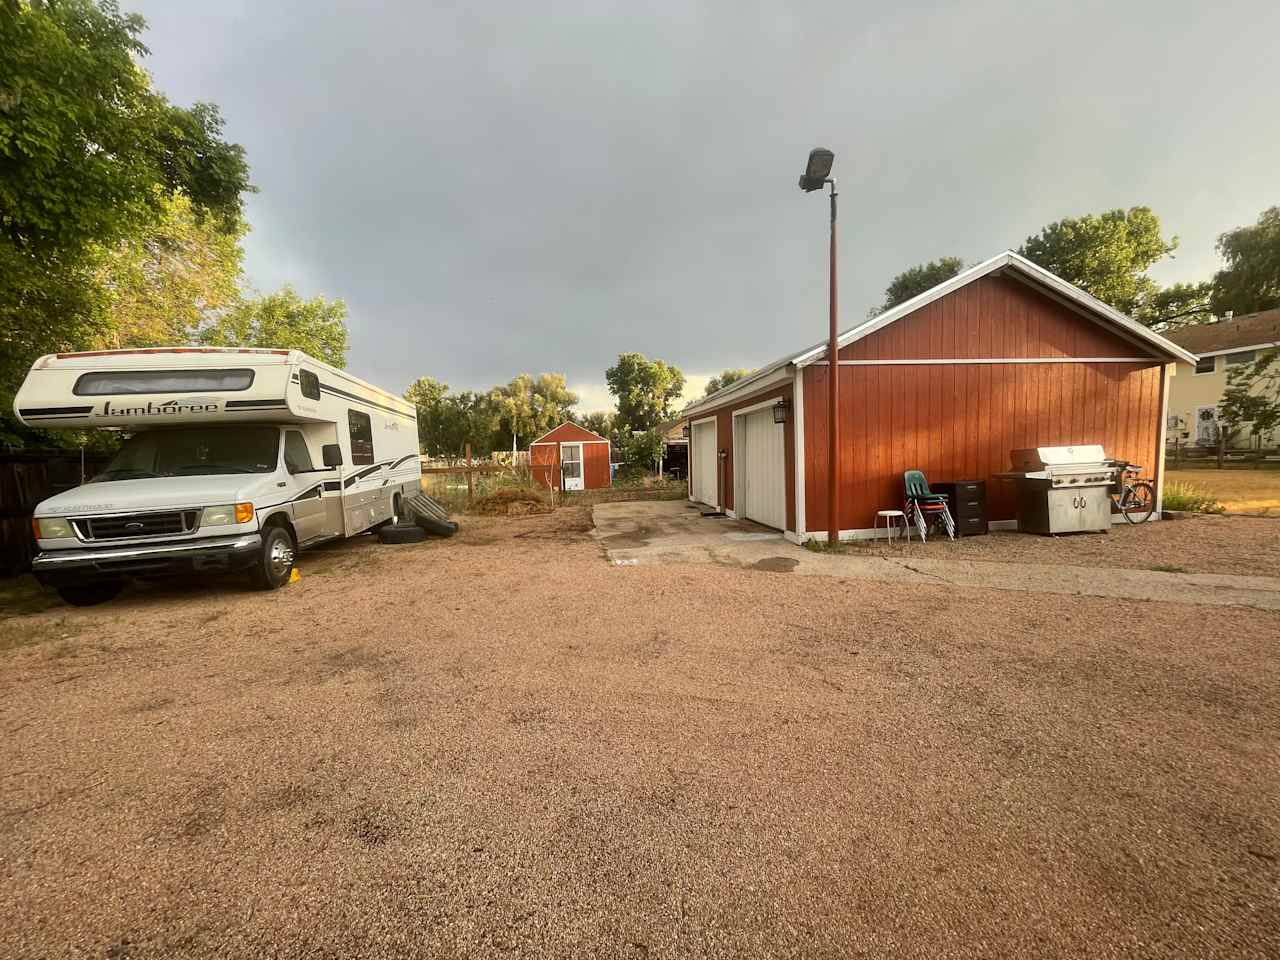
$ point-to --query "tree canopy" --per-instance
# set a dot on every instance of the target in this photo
(727, 377)
(283, 320)
(1106, 254)
(528, 407)
(917, 280)
(1250, 281)
(646, 391)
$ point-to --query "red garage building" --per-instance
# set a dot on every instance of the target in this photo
(573, 454)
(1003, 356)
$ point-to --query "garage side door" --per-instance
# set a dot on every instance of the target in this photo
(761, 470)
(702, 439)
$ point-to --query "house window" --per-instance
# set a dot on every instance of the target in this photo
(1241, 358)
(361, 437)
(310, 384)
(1206, 364)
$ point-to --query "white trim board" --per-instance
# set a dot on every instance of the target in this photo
(1227, 350)
(987, 360)
(762, 379)
(797, 434)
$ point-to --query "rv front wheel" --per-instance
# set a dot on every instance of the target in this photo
(90, 594)
(276, 561)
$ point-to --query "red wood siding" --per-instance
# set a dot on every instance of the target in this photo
(960, 421)
(724, 441)
(992, 317)
(595, 466)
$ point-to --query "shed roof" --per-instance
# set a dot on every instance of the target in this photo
(1251, 330)
(573, 433)
(1007, 263)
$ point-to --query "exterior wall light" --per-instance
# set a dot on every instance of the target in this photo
(781, 409)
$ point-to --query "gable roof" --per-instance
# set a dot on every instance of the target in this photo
(1252, 330)
(1007, 263)
(568, 423)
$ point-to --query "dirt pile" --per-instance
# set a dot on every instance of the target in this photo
(512, 502)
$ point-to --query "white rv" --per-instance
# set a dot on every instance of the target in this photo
(234, 459)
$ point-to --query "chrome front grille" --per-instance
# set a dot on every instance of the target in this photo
(122, 526)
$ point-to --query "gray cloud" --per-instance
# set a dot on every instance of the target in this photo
(506, 187)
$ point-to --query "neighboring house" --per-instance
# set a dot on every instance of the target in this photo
(570, 455)
(1197, 389)
(1001, 357)
(675, 449)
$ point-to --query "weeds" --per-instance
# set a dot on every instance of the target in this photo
(1180, 495)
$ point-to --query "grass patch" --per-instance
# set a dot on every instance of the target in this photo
(22, 596)
(1181, 495)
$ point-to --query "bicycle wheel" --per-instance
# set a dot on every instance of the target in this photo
(1139, 502)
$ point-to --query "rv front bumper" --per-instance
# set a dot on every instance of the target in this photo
(60, 567)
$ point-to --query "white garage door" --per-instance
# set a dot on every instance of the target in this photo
(703, 444)
(760, 467)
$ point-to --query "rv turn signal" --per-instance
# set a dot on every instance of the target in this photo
(244, 512)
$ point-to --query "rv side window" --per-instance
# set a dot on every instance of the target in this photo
(361, 437)
(297, 458)
(107, 382)
(310, 384)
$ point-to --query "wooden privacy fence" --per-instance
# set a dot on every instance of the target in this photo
(26, 478)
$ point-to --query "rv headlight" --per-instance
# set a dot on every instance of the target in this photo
(226, 513)
(49, 528)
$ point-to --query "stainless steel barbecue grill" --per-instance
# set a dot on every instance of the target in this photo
(1063, 489)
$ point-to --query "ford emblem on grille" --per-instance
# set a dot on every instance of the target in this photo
(133, 525)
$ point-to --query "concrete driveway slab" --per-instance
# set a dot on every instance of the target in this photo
(635, 533)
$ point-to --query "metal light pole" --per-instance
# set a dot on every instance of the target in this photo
(815, 177)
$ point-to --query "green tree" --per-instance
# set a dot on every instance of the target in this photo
(160, 287)
(427, 394)
(917, 280)
(90, 155)
(1252, 396)
(646, 391)
(283, 320)
(528, 408)
(1250, 281)
(643, 448)
(1107, 255)
(726, 378)
(599, 423)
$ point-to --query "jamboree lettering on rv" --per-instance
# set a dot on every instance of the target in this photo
(167, 408)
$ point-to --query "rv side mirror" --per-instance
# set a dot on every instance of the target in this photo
(331, 454)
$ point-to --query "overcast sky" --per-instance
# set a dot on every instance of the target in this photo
(500, 187)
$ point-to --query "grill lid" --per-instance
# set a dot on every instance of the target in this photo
(1043, 458)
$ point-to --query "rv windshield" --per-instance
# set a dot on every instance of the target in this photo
(194, 451)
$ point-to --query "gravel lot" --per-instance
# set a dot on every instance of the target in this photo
(502, 745)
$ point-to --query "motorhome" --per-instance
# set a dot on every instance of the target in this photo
(232, 459)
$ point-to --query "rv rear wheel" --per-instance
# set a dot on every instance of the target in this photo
(275, 563)
(90, 594)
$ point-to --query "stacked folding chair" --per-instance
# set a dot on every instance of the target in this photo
(924, 508)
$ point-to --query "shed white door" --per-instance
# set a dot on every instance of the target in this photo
(702, 440)
(760, 469)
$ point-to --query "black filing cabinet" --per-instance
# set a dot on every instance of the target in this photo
(967, 500)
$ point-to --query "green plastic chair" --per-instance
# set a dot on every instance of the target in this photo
(918, 488)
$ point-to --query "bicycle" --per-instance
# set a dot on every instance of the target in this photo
(1135, 498)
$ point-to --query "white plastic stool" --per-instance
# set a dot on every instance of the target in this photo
(899, 521)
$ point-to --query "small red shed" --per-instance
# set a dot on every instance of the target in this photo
(571, 454)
